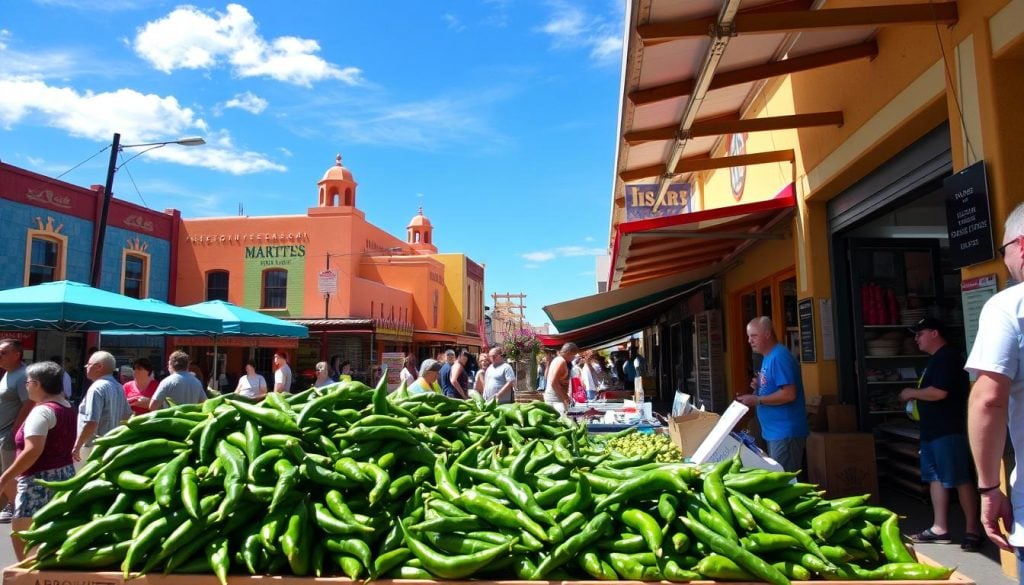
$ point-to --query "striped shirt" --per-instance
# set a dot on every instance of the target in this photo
(104, 403)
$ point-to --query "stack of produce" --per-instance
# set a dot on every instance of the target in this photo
(634, 444)
(348, 480)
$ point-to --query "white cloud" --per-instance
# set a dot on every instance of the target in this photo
(531, 266)
(39, 63)
(539, 256)
(189, 38)
(570, 251)
(588, 239)
(285, 151)
(137, 117)
(453, 22)
(247, 101)
(563, 252)
(570, 27)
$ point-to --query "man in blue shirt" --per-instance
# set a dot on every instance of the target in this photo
(778, 396)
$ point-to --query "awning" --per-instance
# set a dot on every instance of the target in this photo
(232, 341)
(693, 69)
(654, 248)
(592, 309)
(449, 338)
(620, 325)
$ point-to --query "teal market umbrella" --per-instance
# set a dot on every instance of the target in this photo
(239, 321)
(68, 306)
(72, 307)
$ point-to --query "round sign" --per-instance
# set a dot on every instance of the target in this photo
(737, 175)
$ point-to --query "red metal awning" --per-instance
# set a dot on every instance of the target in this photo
(653, 248)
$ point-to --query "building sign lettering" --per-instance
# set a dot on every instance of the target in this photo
(642, 198)
(139, 222)
(250, 238)
(49, 197)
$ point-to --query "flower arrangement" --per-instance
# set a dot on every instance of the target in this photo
(521, 343)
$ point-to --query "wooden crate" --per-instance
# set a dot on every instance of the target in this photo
(16, 576)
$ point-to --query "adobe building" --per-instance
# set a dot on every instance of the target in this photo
(48, 234)
(362, 292)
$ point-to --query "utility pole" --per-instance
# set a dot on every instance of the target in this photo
(509, 311)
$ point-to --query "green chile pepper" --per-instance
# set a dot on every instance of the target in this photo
(892, 542)
(647, 526)
(452, 566)
(723, 546)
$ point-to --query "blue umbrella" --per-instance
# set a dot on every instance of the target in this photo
(68, 306)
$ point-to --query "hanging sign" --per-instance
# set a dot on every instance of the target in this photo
(805, 314)
(327, 282)
(642, 201)
(967, 216)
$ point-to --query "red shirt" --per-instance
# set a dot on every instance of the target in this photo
(131, 390)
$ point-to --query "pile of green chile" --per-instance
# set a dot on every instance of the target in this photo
(348, 480)
(633, 444)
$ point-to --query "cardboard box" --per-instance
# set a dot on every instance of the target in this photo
(843, 464)
(752, 457)
(817, 416)
(689, 430)
(842, 418)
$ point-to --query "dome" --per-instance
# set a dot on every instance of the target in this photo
(338, 172)
(419, 220)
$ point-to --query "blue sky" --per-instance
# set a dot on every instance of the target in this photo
(497, 116)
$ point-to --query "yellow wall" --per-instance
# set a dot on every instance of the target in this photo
(888, 103)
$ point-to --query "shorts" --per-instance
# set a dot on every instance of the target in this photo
(31, 497)
(946, 460)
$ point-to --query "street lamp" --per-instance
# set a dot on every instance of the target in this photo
(101, 226)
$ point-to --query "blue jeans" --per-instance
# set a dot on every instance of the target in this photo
(789, 453)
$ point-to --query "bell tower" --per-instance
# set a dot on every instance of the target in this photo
(336, 192)
(420, 234)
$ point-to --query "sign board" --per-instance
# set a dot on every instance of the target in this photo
(394, 361)
(805, 314)
(967, 216)
(327, 282)
(974, 293)
(828, 330)
(641, 201)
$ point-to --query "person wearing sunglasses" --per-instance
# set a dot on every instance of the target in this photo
(14, 407)
(44, 444)
(997, 398)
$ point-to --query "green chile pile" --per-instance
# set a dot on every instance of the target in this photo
(635, 444)
(347, 480)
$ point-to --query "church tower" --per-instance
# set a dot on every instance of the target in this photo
(420, 234)
(337, 192)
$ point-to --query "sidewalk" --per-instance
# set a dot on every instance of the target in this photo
(983, 566)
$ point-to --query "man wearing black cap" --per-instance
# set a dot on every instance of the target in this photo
(941, 397)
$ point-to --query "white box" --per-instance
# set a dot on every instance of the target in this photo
(721, 444)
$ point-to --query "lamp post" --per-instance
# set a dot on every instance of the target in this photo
(101, 225)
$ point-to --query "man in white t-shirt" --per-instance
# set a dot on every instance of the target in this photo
(997, 399)
(283, 374)
(500, 377)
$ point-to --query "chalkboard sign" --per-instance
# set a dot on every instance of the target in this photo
(805, 313)
(967, 216)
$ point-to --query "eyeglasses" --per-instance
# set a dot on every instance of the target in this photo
(31, 381)
(1002, 249)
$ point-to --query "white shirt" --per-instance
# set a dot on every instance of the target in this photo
(406, 376)
(283, 376)
(249, 386)
(999, 348)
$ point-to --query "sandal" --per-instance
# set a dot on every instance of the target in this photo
(927, 536)
(971, 543)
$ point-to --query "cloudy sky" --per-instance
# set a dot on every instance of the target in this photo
(497, 116)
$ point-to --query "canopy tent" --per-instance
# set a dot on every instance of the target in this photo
(234, 321)
(68, 306)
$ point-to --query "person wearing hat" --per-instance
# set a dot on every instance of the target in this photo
(427, 382)
(941, 398)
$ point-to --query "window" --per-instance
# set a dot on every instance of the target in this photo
(275, 289)
(437, 302)
(217, 285)
(44, 263)
(134, 284)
